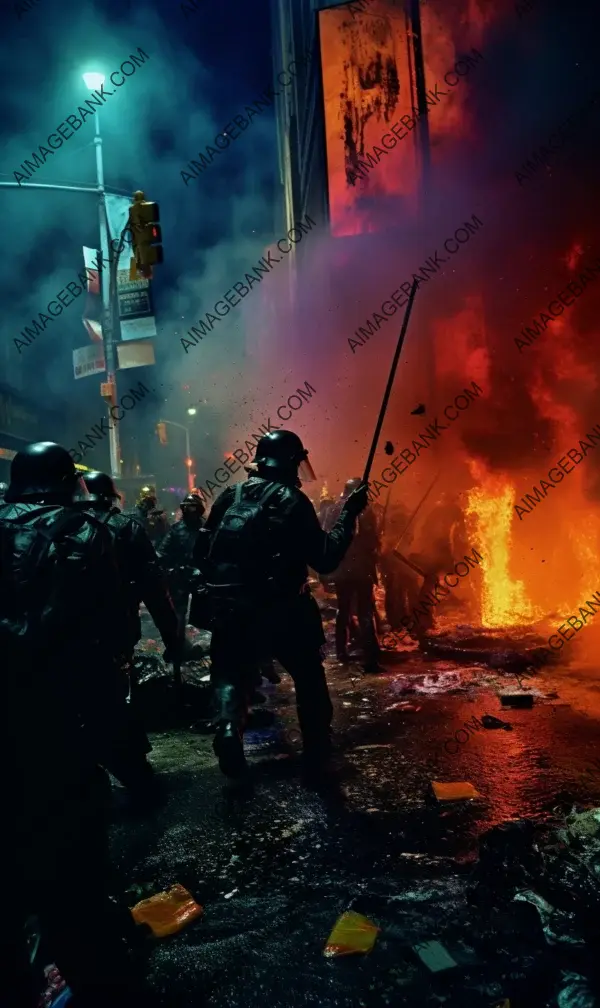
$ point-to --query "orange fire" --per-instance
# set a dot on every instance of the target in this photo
(504, 601)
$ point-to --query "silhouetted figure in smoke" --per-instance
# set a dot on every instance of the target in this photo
(355, 581)
(442, 535)
(401, 584)
(325, 503)
(441, 538)
(254, 552)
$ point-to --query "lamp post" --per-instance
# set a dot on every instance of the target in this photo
(188, 457)
(108, 389)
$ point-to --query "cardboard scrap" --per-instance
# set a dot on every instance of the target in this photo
(453, 790)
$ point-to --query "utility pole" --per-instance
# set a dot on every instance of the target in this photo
(108, 389)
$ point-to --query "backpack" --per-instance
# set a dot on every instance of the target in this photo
(28, 593)
(238, 569)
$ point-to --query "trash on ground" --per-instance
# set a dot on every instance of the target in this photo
(375, 745)
(582, 836)
(351, 933)
(516, 699)
(435, 956)
(489, 721)
(454, 790)
(442, 683)
(402, 705)
(168, 912)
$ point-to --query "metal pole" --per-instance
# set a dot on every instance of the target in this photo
(390, 382)
(188, 460)
(107, 314)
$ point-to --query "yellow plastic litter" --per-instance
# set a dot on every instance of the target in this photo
(454, 790)
(351, 933)
(168, 912)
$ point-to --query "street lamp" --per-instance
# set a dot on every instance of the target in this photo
(108, 390)
(192, 411)
(188, 459)
(93, 80)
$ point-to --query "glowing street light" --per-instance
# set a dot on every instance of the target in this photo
(93, 80)
(192, 411)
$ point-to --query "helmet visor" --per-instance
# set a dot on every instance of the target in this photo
(306, 473)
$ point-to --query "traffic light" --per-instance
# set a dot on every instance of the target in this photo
(161, 430)
(145, 234)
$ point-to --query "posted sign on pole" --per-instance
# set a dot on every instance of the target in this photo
(88, 360)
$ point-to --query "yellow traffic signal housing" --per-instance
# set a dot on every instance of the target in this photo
(161, 430)
(145, 233)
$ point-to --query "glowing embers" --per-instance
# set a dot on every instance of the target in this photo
(504, 601)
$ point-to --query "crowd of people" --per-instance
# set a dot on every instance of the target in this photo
(74, 570)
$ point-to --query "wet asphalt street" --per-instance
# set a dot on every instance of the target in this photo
(274, 869)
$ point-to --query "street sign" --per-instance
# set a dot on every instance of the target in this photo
(138, 328)
(88, 360)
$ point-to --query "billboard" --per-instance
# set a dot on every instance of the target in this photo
(378, 140)
(367, 88)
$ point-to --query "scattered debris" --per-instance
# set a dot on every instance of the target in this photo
(375, 745)
(168, 912)
(489, 721)
(418, 410)
(389, 448)
(516, 699)
(435, 956)
(454, 790)
(351, 933)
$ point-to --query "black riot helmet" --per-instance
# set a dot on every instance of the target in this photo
(350, 486)
(101, 488)
(193, 503)
(44, 471)
(281, 455)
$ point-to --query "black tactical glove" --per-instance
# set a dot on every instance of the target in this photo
(357, 501)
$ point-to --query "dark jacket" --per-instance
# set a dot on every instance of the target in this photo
(297, 540)
(142, 575)
(361, 559)
(77, 593)
(155, 523)
(177, 556)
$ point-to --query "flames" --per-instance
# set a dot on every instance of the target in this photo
(489, 512)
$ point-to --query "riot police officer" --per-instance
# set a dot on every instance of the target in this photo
(176, 553)
(153, 519)
(144, 582)
(61, 610)
(259, 540)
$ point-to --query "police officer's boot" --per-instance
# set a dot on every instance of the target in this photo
(228, 746)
